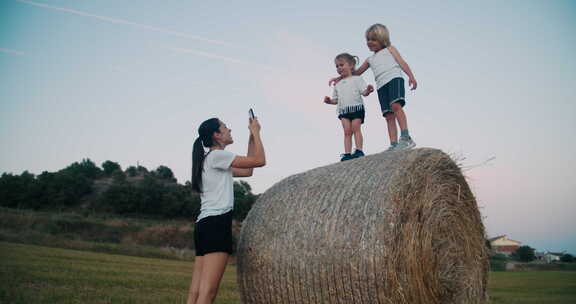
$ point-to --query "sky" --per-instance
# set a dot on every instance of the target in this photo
(130, 81)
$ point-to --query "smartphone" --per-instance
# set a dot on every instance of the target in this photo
(251, 114)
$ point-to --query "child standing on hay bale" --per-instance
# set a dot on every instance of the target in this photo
(212, 177)
(348, 96)
(387, 65)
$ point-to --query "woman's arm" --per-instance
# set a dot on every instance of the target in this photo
(245, 172)
(242, 166)
(411, 79)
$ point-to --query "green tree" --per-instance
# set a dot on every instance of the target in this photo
(525, 254)
(131, 171)
(164, 172)
(567, 258)
(243, 199)
(109, 167)
(86, 168)
(15, 190)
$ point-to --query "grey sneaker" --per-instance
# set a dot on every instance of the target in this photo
(405, 144)
(391, 148)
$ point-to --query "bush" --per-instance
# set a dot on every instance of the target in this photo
(525, 254)
(567, 258)
(166, 236)
(497, 265)
(499, 257)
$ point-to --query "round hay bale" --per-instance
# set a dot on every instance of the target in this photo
(399, 227)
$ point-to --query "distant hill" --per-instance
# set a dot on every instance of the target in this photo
(86, 188)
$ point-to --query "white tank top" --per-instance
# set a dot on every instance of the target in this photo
(384, 66)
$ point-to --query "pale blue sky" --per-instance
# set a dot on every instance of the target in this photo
(130, 81)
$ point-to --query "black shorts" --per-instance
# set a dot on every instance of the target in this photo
(213, 234)
(353, 115)
(391, 92)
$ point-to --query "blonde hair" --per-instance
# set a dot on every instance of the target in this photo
(379, 33)
(352, 60)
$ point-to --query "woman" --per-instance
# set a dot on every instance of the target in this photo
(212, 177)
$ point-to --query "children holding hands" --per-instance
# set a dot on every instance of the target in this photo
(387, 65)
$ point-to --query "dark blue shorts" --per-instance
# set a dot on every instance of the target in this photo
(353, 115)
(391, 92)
(213, 234)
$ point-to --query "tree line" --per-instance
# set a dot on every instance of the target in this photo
(136, 191)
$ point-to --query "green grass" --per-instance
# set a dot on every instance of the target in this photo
(533, 287)
(35, 274)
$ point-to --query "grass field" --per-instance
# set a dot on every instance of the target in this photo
(34, 274)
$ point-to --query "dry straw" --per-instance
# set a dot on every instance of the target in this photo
(399, 227)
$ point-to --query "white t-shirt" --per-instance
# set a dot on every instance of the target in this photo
(348, 93)
(217, 195)
(384, 66)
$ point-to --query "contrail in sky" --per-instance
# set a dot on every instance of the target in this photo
(204, 54)
(219, 57)
(10, 51)
(126, 22)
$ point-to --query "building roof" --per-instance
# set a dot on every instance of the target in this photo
(496, 237)
(501, 237)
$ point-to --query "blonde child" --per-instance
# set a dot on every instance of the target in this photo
(347, 96)
(387, 65)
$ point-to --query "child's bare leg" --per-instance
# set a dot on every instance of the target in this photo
(347, 126)
(400, 115)
(392, 129)
(357, 130)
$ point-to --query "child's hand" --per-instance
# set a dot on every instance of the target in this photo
(412, 83)
(369, 89)
(327, 100)
(334, 80)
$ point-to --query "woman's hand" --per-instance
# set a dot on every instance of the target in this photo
(254, 126)
(327, 100)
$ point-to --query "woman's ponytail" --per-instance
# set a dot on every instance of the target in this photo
(197, 165)
(205, 132)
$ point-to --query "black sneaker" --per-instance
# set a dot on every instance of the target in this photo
(358, 153)
(346, 156)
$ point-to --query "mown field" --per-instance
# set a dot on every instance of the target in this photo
(35, 274)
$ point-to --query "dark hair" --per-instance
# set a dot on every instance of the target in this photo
(205, 132)
(352, 60)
